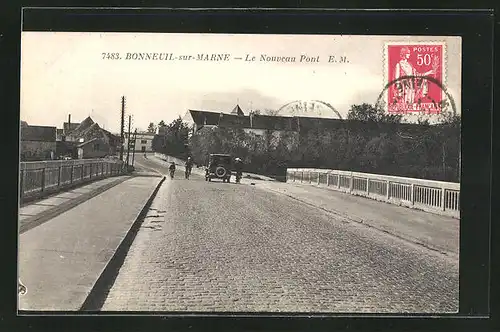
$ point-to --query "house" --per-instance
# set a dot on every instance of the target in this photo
(260, 124)
(296, 126)
(67, 128)
(143, 141)
(104, 141)
(93, 148)
(37, 142)
(252, 123)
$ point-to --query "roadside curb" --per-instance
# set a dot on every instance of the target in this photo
(49, 214)
(371, 224)
(98, 293)
(147, 175)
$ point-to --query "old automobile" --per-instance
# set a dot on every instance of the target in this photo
(219, 167)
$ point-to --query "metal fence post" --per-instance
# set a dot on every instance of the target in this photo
(388, 193)
(91, 171)
(72, 171)
(327, 179)
(83, 171)
(412, 194)
(59, 177)
(443, 198)
(319, 174)
(368, 186)
(21, 185)
(351, 183)
(43, 179)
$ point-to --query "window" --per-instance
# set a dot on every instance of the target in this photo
(144, 141)
(96, 146)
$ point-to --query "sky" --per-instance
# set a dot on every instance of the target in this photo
(66, 73)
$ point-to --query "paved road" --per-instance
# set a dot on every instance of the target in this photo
(210, 246)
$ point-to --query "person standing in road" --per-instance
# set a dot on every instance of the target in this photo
(189, 167)
(238, 167)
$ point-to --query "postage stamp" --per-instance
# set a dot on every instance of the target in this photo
(415, 74)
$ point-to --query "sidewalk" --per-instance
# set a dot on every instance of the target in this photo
(36, 213)
(60, 260)
(440, 233)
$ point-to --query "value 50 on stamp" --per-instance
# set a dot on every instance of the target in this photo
(415, 77)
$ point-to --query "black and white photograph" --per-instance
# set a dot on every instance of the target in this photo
(240, 173)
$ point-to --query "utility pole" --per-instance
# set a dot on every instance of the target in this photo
(133, 146)
(122, 128)
(128, 140)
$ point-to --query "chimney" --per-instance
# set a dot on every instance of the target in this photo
(69, 123)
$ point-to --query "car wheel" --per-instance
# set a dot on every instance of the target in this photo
(220, 171)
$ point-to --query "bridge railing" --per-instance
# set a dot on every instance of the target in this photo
(432, 196)
(41, 178)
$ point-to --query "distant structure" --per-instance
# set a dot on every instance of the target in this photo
(256, 122)
(143, 141)
(237, 111)
(86, 140)
(297, 126)
(37, 142)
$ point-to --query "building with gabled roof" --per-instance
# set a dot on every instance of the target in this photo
(93, 148)
(237, 111)
(37, 142)
(253, 122)
(88, 130)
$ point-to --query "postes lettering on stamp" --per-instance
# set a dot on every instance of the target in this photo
(415, 77)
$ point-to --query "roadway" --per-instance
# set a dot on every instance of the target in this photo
(212, 246)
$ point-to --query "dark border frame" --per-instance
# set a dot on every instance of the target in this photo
(476, 29)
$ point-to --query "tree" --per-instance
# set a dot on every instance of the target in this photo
(161, 124)
(176, 139)
(151, 128)
(367, 112)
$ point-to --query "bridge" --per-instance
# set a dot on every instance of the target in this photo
(96, 238)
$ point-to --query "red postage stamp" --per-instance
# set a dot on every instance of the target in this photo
(415, 74)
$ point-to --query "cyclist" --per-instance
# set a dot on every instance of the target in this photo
(171, 168)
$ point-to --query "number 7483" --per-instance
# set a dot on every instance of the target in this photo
(110, 56)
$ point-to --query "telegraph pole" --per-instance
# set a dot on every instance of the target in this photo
(133, 146)
(128, 140)
(122, 128)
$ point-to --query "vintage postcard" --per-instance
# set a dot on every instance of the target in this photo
(239, 173)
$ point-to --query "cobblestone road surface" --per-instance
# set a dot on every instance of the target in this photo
(210, 246)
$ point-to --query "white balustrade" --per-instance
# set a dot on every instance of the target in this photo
(433, 196)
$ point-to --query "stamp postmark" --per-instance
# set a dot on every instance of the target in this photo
(415, 73)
